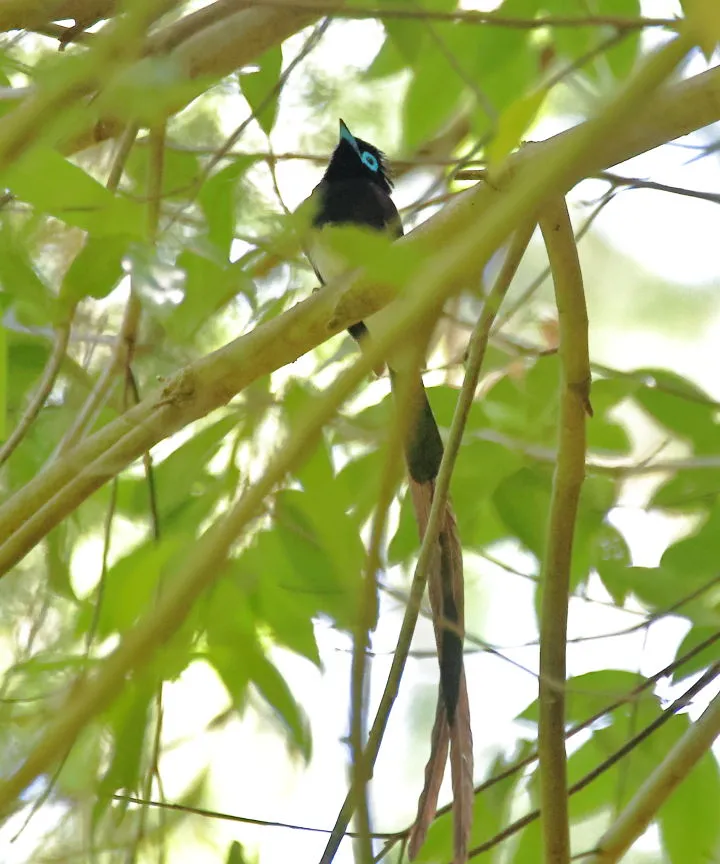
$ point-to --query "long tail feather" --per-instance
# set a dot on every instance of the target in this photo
(452, 728)
(434, 773)
(461, 769)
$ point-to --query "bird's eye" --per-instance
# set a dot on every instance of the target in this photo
(369, 160)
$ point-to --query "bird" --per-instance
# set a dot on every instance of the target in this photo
(355, 190)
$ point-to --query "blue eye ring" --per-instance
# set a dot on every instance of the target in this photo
(369, 161)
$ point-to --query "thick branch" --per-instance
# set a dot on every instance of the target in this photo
(29, 14)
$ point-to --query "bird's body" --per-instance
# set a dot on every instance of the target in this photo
(355, 190)
(351, 193)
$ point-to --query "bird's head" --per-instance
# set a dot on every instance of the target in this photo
(354, 158)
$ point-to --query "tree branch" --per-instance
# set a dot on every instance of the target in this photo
(30, 14)
(567, 482)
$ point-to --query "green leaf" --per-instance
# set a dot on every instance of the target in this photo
(611, 558)
(56, 186)
(695, 637)
(434, 92)
(704, 20)
(180, 171)
(405, 542)
(695, 557)
(608, 393)
(375, 251)
(209, 287)
(150, 89)
(236, 652)
(236, 854)
(527, 406)
(506, 66)
(579, 43)
(218, 199)
(59, 546)
(480, 468)
(277, 694)
(128, 719)
(391, 58)
(260, 87)
(681, 407)
(515, 120)
(130, 585)
(80, 769)
(590, 693)
(182, 475)
(522, 501)
(292, 557)
(23, 288)
(289, 617)
(96, 270)
(621, 58)
(622, 780)
(689, 826)
(360, 480)
(607, 437)
(529, 850)
(688, 490)
(662, 587)
(231, 634)
(331, 545)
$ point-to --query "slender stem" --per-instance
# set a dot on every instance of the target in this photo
(567, 482)
(367, 615)
(52, 369)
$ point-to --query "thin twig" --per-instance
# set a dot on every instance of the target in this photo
(475, 17)
(658, 787)
(617, 180)
(44, 388)
(367, 615)
(231, 817)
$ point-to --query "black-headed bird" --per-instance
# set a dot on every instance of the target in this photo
(355, 191)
